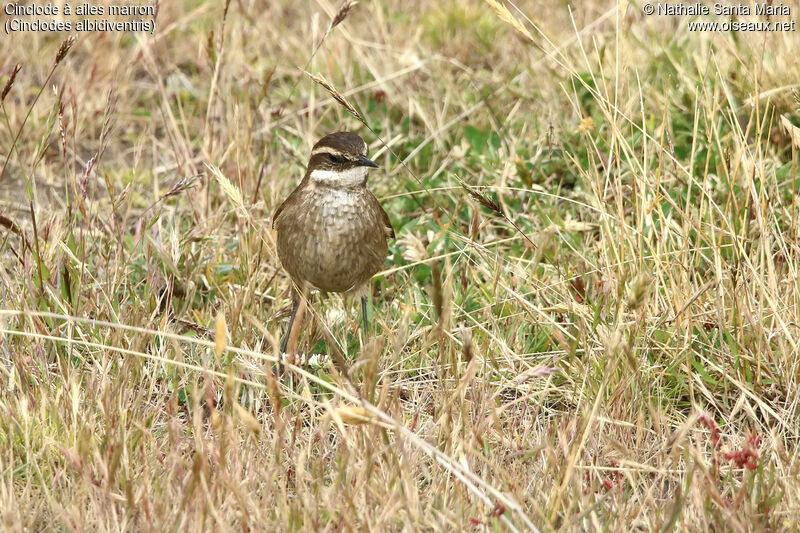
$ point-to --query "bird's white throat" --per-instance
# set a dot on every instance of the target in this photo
(340, 178)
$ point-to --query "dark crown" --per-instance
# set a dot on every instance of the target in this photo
(348, 144)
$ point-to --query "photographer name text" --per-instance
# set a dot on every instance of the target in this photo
(744, 10)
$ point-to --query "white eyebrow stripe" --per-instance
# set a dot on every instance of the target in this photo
(331, 150)
(326, 150)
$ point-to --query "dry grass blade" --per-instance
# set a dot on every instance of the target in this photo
(794, 131)
(181, 185)
(13, 227)
(328, 86)
(437, 294)
(488, 203)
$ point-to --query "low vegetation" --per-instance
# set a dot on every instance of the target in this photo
(589, 319)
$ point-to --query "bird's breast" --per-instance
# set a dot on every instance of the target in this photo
(332, 238)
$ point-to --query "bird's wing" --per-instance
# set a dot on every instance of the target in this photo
(278, 211)
(387, 224)
(289, 200)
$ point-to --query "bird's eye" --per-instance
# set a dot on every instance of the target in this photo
(336, 158)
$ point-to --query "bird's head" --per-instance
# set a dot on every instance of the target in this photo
(340, 160)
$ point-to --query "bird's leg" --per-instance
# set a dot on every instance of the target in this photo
(364, 314)
(295, 305)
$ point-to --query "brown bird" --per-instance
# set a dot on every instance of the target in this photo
(332, 231)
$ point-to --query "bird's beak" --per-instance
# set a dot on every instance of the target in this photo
(365, 161)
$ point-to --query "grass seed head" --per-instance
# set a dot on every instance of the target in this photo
(220, 335)
(344, 10)
(481, 198)
(339, 97)
(10, 81)
(466, 344)
(506, 16)
(63, 50)
(639, 292)
(353, 416)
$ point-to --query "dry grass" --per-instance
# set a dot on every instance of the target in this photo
(589, 319)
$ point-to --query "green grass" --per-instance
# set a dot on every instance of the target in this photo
(588, 319)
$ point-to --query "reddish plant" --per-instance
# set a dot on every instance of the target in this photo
(709, 423)
(746, 457)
